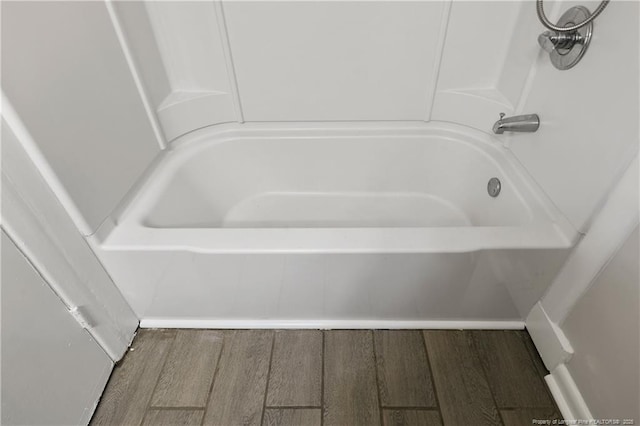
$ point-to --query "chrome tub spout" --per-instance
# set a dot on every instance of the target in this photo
(518, 123)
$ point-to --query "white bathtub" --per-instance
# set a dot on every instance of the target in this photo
(351, 226)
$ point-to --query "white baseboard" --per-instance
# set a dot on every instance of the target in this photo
(553, 346)
(328, 324)
(567, 395)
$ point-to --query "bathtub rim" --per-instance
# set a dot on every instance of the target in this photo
(124, 228)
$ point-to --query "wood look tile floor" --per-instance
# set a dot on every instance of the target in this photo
(338, 377)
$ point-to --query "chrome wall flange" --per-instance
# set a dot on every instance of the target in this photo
(567, 48)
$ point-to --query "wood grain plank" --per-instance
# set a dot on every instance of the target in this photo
(404, 378)
(463, 392)
(174, 417)
(186, 377)
(127, 395)
(533, 353)
(525, 416)
(350, 394)
(511, 373)
(292, 417)
(411, 417)
(541, 369)
(239, 388)
(296, 369)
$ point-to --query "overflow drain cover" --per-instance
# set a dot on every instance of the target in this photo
(494, 186)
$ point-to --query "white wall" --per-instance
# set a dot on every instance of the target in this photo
(53, 372)
(332, 61)
(589, 114)
(319, 61)
(42, 229)
(65, 73)
(604, 330)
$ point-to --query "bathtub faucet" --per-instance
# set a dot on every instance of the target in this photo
(518, 123)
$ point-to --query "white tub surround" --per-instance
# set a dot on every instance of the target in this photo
(207, 63)
(336, 225)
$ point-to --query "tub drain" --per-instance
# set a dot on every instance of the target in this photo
(494, 186)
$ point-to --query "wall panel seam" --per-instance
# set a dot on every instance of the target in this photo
(442, 37)
(231, 71)
(133, 69)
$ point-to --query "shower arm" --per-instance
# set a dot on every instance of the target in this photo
(559, 29)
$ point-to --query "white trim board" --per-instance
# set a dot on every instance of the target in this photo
(550, 341)
(160, 322)
(567, 395)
